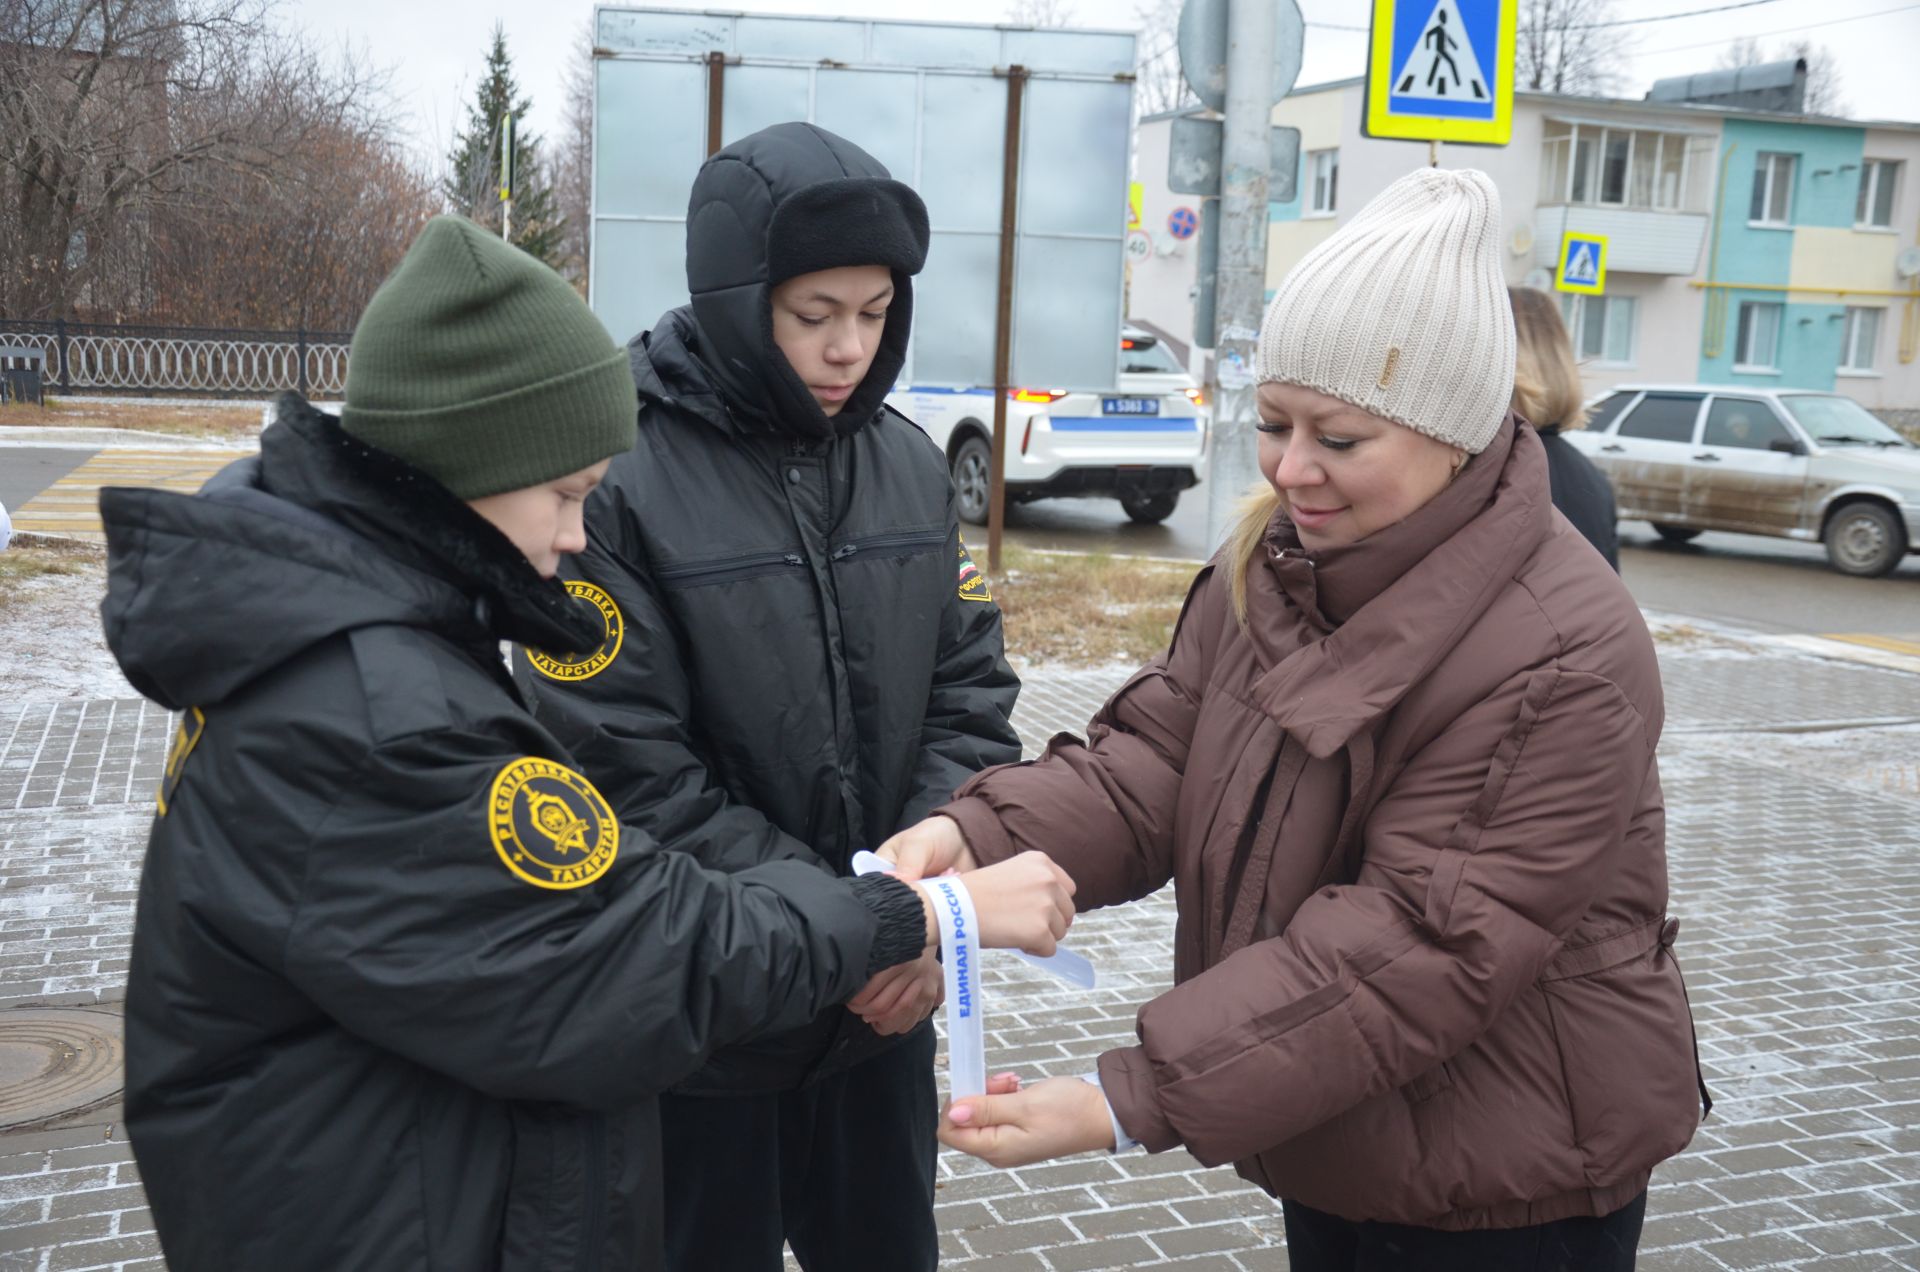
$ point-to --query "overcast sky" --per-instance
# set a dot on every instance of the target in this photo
(435, 48)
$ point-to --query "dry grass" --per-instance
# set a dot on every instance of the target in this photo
(1089, 610)
(215, 423)
(21, 564)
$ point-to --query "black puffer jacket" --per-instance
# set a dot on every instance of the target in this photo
(800, 658)
(1583, 495)
(402, 986)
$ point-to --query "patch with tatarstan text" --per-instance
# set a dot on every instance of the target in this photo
(550, 825)
(567, 667)
(973, 584)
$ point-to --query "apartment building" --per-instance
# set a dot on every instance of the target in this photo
(1745, 246)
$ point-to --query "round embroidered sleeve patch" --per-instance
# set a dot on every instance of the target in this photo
(580, 666)
(550, 825)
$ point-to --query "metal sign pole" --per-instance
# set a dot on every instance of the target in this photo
(1246, 153)
(1003, 332)
(507, 174)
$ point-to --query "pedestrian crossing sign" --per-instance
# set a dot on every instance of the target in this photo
(1442, 70)
(1583, 264)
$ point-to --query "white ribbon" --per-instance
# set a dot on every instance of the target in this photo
(960, 963)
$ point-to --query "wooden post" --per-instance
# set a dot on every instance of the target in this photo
(1003, 331)
(716, 97)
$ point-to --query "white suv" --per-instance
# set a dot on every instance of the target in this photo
(1141, 444)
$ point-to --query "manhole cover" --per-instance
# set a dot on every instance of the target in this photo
(56, 1060)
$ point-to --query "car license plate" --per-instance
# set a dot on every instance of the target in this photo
(1130, 406)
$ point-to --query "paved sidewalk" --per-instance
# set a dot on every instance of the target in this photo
(1794, 823)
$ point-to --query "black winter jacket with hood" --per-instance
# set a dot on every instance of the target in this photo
(800, 658)
(402, 987)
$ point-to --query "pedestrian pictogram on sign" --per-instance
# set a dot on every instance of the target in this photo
(1442, 66)
(1583, 264)
(1182, 222)
(1442, 70)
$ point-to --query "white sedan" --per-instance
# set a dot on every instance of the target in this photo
(1141, 443)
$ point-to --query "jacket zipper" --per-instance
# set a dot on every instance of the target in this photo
(592, 1236)
(730, 569)
(892, 544)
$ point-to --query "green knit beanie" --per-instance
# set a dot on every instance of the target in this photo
(479, 365)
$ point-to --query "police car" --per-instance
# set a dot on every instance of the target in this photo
(1141, 443)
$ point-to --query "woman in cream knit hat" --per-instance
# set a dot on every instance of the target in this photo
(1399, 759)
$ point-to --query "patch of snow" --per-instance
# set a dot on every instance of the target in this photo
(54, 646)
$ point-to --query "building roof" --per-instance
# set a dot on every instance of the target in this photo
(1625, 103)
(1740, 79)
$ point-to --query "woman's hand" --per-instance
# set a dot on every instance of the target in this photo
(1054, 1118)
(930, 848)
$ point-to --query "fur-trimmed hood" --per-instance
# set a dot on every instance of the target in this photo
(316, 536)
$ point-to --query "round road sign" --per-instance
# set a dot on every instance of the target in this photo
(1182, 222)
(1139, 246)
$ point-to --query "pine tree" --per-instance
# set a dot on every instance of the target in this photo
(472, 184)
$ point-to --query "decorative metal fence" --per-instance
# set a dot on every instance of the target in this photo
(95, 358)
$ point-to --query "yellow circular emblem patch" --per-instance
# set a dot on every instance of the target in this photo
(550, 826)
(580, 666)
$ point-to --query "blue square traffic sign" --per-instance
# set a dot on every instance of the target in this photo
(1442, 70)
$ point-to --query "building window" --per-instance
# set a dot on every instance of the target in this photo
(1875, 206)
(1615, 154)
(1861, 335)
(1634, 168)
(1757, 348)
(1772, 190)
(1325, 165)
(1601, 327)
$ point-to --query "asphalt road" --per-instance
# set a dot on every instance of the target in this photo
(1772, 585)
(25, 471)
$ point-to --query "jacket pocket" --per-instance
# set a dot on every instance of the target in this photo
(552, 1208)
(1620, 1021)
(728, 569)
(897, 544)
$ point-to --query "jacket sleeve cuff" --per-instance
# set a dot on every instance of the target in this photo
(901, 919)
(1126, 1076)
(986, 838)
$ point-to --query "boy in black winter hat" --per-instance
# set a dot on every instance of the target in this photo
(799, 673)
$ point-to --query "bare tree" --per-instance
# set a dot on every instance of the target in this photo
(1565, 46)
(1039, 13)
(1823, 73)
(1160, 87)
(112, 112)
(572, 177)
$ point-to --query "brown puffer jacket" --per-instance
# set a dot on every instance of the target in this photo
(1447, 996)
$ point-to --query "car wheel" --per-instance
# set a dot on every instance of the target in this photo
(1675, 534)
(1150, 510)
(1865, 539)
(973, 479)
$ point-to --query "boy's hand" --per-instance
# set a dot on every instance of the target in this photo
(1025, 902)
(902, 996)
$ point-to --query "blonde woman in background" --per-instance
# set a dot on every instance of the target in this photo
(1546, 393)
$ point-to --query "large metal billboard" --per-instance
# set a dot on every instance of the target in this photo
(927, 99)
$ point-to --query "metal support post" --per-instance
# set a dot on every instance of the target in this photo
(1003, 323)
(1246, 152)
(60, 335)
(301, 374)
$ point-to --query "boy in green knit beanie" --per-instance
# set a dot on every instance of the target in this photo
(404, 987)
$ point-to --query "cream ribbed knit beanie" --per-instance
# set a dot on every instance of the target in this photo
(1404, 312)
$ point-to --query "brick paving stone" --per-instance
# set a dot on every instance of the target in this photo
(1793, 874)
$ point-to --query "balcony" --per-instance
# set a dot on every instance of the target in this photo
(1639, 240)
(1646, 189)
